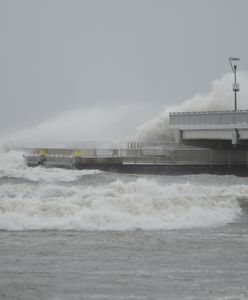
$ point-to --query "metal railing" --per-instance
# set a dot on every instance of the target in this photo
(209, 117)
(150, 156)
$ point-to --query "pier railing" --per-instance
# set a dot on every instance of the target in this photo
(149, 156)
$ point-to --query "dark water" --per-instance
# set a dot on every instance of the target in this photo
(176, 264)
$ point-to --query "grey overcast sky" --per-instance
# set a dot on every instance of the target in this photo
(58, 55)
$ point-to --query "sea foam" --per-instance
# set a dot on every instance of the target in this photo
(138, 204)
(12, 164)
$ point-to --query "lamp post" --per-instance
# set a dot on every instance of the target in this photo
(235, 84)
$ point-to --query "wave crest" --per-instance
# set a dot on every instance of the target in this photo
(13, 165)
(139, 204)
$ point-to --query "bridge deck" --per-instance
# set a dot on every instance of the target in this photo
(211, 125)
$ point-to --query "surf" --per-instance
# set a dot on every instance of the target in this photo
(123, 204)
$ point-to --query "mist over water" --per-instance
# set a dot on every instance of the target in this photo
(116, 125)
(74, 127)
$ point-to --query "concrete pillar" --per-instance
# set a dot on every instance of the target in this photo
(178, 136)
(235, 137)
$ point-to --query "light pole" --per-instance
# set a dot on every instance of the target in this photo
(235, 84)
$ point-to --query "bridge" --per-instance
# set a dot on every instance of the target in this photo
(213, 128)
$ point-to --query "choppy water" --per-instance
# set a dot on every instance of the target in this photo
(94, 235)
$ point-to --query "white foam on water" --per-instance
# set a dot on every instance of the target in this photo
(139, 204)
(12, 164)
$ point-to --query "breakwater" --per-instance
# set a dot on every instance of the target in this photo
(150, 160)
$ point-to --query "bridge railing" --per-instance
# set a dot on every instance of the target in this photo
(209, 118)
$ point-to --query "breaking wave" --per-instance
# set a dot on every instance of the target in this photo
(12, 164)
(137, 203)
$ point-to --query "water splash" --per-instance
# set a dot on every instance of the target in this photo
(139, 204)
(219, 98)
(12, 165)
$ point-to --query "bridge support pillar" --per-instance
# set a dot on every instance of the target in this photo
(235, 137)
(178, 136)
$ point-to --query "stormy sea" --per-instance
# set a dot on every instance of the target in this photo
(68, 234)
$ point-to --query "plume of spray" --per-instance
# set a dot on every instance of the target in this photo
(219, 98)
(110, 124)
(88, 127)
(3, 148)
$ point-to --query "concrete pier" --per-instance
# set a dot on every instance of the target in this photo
(161, 160)
(205, 142)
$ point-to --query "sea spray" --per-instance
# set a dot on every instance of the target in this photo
(12, 165)
(3, 148)
(219, 98)
(105, 123)
(96, 125)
